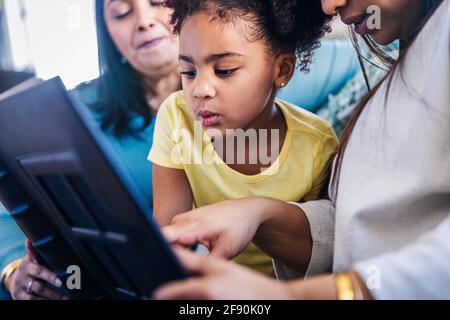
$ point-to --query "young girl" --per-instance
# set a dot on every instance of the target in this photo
(233, 59)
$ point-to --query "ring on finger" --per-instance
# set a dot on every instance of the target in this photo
(29, 288)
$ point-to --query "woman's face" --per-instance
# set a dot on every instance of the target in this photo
(142, 33)
(397, 19)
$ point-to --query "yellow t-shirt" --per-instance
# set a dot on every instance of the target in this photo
(297, 174)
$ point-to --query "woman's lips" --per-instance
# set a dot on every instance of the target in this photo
(359, 22)
(208, 119)
(361, 25)
(151, 44)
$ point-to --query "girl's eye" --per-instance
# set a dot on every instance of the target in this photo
(225, 73)
(188, 74)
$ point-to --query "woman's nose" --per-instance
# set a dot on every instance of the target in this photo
(146, 15)
(331, 7)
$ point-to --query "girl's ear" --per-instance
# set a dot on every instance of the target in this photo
(284, 69)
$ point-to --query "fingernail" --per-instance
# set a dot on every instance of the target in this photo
(58, 283)
(158, 295)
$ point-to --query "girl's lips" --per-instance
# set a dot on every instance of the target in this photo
(209, 119)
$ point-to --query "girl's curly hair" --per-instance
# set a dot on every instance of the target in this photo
(286, 25)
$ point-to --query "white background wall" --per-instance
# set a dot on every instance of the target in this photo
(54, 37)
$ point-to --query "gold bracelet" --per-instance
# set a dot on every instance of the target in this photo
(9, 269)
(344, 287)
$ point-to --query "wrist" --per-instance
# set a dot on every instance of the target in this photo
(7, 273)
(295, 290)
(266, 208)
(8, 280)
(261, 208)
(314, 288)
(291, 291)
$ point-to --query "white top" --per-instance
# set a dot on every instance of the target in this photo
(391, 218)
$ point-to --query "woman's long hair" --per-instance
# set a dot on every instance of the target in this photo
(122, 93)
(392, 64)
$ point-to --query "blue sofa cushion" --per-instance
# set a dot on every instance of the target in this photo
(334, 63)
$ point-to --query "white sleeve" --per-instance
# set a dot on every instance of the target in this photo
(321, 217)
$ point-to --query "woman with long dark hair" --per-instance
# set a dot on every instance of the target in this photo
(138, 57)
(385, 232)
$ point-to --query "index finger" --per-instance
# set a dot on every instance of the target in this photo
(177, 234)
(40, 272)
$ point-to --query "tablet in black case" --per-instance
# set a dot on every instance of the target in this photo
(62, 184)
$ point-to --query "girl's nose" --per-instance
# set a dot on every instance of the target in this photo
(203, 90)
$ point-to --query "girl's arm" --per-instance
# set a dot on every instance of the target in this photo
(285, 235)
(171, 193)
(279, 228)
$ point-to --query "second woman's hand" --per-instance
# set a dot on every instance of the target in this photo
(216, 279)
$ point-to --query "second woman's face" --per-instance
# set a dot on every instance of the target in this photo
(141, 31)
(397, 18)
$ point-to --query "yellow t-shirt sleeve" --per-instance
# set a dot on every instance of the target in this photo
(324, 154)
(164, 151)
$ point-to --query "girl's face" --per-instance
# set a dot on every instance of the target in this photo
(228, 80)
(398, 18)
(142, 33)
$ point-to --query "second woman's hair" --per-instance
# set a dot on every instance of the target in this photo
(122, 93)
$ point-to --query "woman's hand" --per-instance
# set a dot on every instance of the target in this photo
(225, 228)
(216, 279)
(28, 281)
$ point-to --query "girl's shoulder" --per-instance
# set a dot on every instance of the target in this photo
(175, 112)
(174, 101)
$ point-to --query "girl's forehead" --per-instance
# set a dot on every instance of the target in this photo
(204, 30)
(208, 23)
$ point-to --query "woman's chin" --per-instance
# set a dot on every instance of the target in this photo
(158, 67)
(382, 38)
